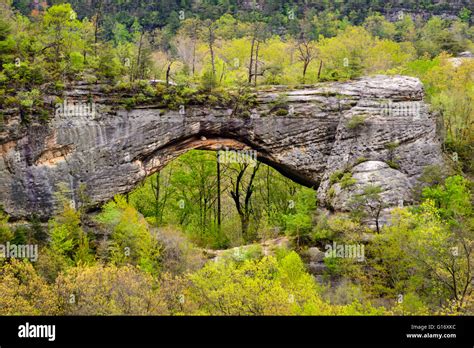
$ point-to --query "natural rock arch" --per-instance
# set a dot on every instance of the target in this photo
(328, 127)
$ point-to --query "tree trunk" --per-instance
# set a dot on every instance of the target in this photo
(194, 57)
(377, 216)
(251, 61)
(268, 192)
(218, 192)
(96, 28)
(305, 67)
(138, 57)
(256, 64)
(244, 223)
(168, 74)
(211, 48)
(222, 73)
(157, 197)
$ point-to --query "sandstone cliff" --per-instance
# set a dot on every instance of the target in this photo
(377, 128)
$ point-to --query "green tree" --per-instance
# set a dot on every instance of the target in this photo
(436, 36)
(405, 29)
(5, 232)
(369, 204)
(131, 241)
(61, 33)
(344, 56)
(465, 14)
(298, 225)
(452, 199)
(23, 291)
(108, 290)
(378, 26)
(257, 287)
(420, 253)
(68, 239)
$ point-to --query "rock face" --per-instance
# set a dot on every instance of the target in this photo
(357, 126)
(395, 187)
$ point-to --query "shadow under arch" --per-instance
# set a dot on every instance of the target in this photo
(159, 158)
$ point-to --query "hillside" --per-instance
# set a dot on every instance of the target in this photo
(321, 151)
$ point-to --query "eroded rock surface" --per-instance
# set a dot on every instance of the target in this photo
(328, 127)
(396, 189)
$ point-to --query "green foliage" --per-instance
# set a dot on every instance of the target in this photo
(368, 204)
(23, 291)
(427, 251)
(449, 88)
(437, 36)
(108, 290)
(410, 304)
(342, 177)
(423, 258)
(453, 199)
(208, 81)
(241, 254)
(345, 54)
(356, 122)
(465, 14)
(259, 287)
(392, 160)
(5, 232)
(424, 255)
(184, 195)
(391, 145)
(68, 239)
(433, 175)
(298, 225)
(338, 227)
(360, 160)
(347, 180)
(131, 240)
(393, 164)
(378, 26)
(336, 177)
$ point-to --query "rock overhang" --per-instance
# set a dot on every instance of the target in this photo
(327, 127)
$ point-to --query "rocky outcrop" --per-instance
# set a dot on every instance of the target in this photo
(395, 186)
(307, 134)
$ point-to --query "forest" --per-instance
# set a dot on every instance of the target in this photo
(207, 236)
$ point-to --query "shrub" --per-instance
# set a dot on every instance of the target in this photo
(23, 291)
(393, 164)
(281, 112)
(347, 180)
(131, 240)
(331, 192)
(257, 287)
(178, 255)
(336, 177)
(5, 232)
(356, 121)
(392, 145)
(108, 290)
